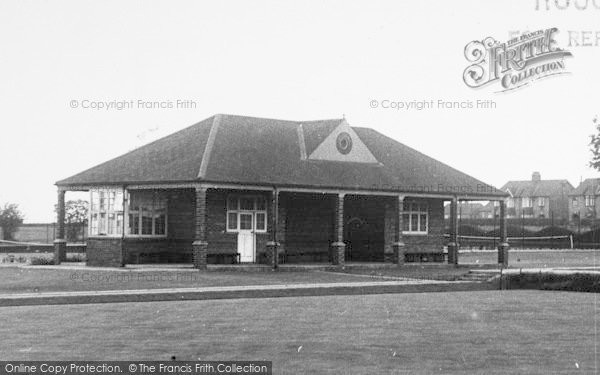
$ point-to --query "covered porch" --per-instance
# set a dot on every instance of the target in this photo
(204, 224)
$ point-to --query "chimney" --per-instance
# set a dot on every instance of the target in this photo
(536, 176)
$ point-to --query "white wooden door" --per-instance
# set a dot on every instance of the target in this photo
(246, 238)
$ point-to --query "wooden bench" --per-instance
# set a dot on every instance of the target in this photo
(434, 257)
(223, 258)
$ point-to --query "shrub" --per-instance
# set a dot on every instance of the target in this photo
(75, 257)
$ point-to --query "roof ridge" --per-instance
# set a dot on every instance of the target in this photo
(214, 128)
(278, 119)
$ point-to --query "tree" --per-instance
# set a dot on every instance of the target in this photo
(76, 214)
(10, 218)
(595, 146)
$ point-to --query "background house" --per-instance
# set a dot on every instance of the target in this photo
(583, 202)
(468, 210)
(537, 198)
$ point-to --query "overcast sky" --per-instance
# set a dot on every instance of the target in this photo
(282, 59)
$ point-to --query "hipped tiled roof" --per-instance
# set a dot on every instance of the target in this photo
(542, 188)
(249, 150)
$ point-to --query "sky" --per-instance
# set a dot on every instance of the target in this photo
(307, 60)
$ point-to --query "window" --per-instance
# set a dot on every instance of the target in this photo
(526, 202)
(245, 212)
(575, 203)
(147, 214)
(106, 212)
(541, 201)
(415, 218)
(510, 203)
(590, 200)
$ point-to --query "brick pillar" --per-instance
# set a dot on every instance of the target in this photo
(273, 245)
(453, 244)
(339, 247)
(503, 247)
(60, 243)
(399, 244)
(200, 246)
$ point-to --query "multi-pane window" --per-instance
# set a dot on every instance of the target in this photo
(246, 213)
(147, 214)
(415, 218)
(526, 202)
(510, 203)
(575, 202)
(590, 200)
(106, 212)
(541, 201)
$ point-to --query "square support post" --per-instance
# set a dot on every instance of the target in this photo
(273, 245)
(453, 244)
(503, 247)
(60, 243)
(339, 247)
(399, 244)
(200, 245)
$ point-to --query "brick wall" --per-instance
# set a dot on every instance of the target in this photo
(103, 252)
(434, 241)
(364, 219)
(308, 226)
(219, 240)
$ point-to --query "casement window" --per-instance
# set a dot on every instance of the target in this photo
(526, 202)
(106, 212)
(246, 212)
(590, 200)
(147, 214)
(415, 218)
(575, 202)
(541, 201)
(510, 203)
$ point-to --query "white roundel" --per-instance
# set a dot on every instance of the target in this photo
(343, 143)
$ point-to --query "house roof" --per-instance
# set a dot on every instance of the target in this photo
(589, 186)
(542, 188)
(249, 150)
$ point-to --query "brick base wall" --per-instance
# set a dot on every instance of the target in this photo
(103, 252)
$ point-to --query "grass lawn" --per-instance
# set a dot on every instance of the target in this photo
(447, 333)
(536, 259)
(26, 280)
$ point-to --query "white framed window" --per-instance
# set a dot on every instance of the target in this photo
(415, 218)
(246, 212)
(590, 200)
(575, 202)
(541, 201)
(526, 202)
(106, 212)
(147, 214)
(510, 203)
